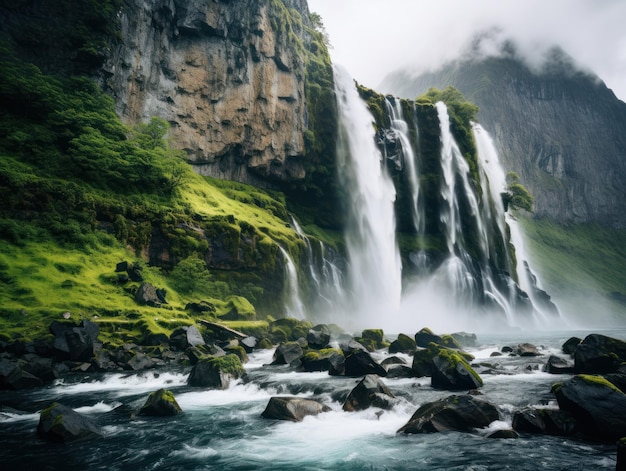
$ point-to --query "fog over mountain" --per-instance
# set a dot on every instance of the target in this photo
(372, 38)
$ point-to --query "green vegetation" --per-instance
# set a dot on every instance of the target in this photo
(599, 381)
(517, 196)
(81, 192)
(578, 257)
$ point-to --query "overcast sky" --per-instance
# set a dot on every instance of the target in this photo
(374, 37)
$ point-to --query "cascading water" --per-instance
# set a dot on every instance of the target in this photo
(375, 271)
(294, 306)
(493, 175)
(401, 129)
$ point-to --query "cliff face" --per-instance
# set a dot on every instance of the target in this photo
(227, 77)
(562, 130)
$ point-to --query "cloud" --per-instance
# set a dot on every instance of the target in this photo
(374, 37)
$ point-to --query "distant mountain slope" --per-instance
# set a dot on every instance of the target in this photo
(561, 129)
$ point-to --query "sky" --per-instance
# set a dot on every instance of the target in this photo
(372, 38)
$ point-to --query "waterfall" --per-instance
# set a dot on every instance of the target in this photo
(294, 306)
(543, 310)
(401, 128)
(374, 272)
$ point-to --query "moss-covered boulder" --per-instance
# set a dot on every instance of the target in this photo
(216, 372)
(598, 406)
(288, 329)
(422, 363)
(161, 403)
(598, 354)
(426, 336)
(328, 359)
(61, 424)
(372, 339)
(461, 413)
(238, 308)
(452, 372)
(370, 392)
(403, 344)
(293, 409)
(570, 345)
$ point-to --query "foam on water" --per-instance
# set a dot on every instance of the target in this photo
(123, 384)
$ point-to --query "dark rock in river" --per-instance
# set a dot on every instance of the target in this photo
(527, 350)
(400, 371)
(598, 406)
(426, 336)
(452, 372)
(287, 352)
(361, 363)
(570, 345)
(462, 413)
(59, 423)
(423, 362)
(558, 365)
(599, 354)
(161, 403)
(504, 433)
(403, 343)
(370, 392)
(20, 379)
(544, 421)
(330, 360)
(294, 409)
(216, 372)
(184, 337)
(318, 337)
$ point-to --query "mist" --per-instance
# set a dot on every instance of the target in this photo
(373, 38)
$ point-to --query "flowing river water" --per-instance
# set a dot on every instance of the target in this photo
(223, 429)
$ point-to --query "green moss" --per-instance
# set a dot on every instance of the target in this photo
(598, 381)
(230, 364)
(454, 358)
(320, 354)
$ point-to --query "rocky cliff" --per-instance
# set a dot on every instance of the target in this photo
(561, 129)
(226, 75)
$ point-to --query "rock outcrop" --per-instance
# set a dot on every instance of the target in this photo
(228, 76)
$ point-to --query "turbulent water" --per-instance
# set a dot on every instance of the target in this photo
(224, 429)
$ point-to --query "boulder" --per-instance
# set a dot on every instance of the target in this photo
(147, 294)
(423, 362)
(527, 350)
(185, 337)
(20, 379)
(360, 363)
(544, 421)
(558, 365)
(6, 368)
(59, 423)
(76, 342)
(249, 343)
(330, 360)
(425, 336)
(161, 403)
(597, 405)
(393, 360)
(286, 353)
(370, 392)
(351, 346)
(403, 344)
(461, 413)
(294, 409)
(570, 345)
(318, 337)
(452, 372)
(598, 354)
(138, 362)
(400, 371)
(216, 372)
(134, 273)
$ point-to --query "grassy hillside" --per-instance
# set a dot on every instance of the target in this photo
(581, 265)
(81, 192)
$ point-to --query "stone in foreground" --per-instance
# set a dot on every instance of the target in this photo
(294, 409)
(461, 413)
(370, 392)
(61, 424)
